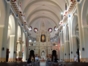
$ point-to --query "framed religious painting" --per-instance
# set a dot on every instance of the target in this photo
(43, 38)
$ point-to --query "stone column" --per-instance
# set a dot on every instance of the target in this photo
(74, 47)
(61, 52)
(11, 48)
(1, 36)
(70, 40)
(84, 46)
(27, 46)
(24, 53)
(66, 43)
(15, 40)
(82, 53)
(19, 49)
(66, 51)
(61, 47)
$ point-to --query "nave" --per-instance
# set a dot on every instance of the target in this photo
(44, 32)
(42, 63)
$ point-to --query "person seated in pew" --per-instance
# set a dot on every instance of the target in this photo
(29, 61)
(32, 59)
(36, 58)
(54, 59)
(75, 59)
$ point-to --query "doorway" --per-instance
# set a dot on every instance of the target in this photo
(32, 54)
(54, 55)
(78, 52)
(7, 55)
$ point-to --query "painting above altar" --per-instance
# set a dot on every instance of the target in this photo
(43, 38)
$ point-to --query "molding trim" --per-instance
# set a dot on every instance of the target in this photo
(66, 41)
(1, 26)
(73, 35)
(85, 26)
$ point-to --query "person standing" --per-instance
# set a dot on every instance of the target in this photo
(75, 59)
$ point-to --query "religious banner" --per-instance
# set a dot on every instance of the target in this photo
(43, 38)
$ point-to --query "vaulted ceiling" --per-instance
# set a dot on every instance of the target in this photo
(47, 12)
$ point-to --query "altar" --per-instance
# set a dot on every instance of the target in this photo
(43, 46)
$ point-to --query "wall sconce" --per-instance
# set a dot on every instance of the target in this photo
(65, 54)
(2, 48)
(14, 52)
(83, 49)
(71, 52)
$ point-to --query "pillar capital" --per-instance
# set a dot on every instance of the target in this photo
(66, 41)
(12, 35)
(73, 35)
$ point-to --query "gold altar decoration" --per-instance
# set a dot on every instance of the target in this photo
(20, 41)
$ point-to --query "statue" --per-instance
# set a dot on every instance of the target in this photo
(43, 55)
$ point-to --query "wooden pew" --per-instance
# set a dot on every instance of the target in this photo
(66, 64)
(75, 64)
(13, 64)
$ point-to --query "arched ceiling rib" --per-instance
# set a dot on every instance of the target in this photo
(65, 1)
(43, 10)
(42, 17)
(50, 1)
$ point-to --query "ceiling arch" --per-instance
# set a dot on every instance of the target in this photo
(47, 11)
(42, 17)
(36, 1)
(12, 24)
(42, 10)
(65, 1)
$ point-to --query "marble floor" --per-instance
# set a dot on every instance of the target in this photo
(42, 64)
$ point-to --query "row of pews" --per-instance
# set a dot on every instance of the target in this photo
(13, 64)
(66, 64)
(47, 64)
(37, 63)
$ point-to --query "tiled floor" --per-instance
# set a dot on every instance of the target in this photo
(42, 64)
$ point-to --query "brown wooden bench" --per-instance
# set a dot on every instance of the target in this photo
(75, 64)
(13, 64)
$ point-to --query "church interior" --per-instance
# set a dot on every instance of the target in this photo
(43, 33)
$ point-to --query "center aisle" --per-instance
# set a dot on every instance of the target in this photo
(42, 63)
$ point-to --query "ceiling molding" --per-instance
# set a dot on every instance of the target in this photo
(29, 24)
(50, 1)
(42, 10)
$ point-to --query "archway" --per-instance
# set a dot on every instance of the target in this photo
(54, 55)
(32, 54)
(11, 38)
